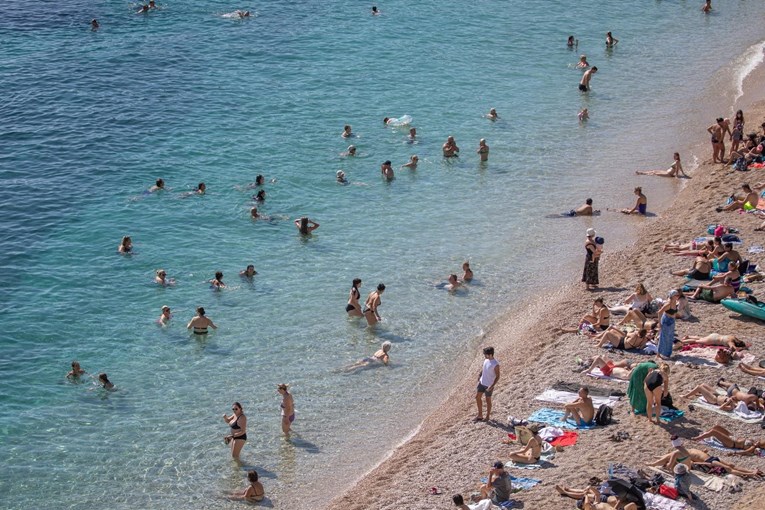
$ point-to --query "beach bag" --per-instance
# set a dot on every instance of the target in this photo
(603, 416)
(723, 356)
(668, 492)
(667, 402)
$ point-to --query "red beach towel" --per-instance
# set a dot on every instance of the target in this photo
(567, 439)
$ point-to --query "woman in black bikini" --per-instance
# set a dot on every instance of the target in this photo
(238, 423)
(531, 453)
(726, 438)
(353, 307)
(656, 385)
(372, 303)
(600, 318)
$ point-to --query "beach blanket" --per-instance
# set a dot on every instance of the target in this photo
(553, 417)
(567, 439)
(714, 443)
(657, 502)
(595, 391)
(566, 397)
(700, 402)
(519, 483)
(597, 374)
(484, 504)
(668, 415)
(711, 482)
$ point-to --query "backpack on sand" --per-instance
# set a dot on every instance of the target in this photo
(603, 416)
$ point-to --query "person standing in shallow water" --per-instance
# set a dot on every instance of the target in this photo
(487, 379)
(238, 423)
(288, 408)
(590, 275)
(372, 303)
(353, 307)
(483, 150)
(584, 85)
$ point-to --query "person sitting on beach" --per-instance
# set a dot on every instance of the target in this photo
(753, 400)
(103, 379)
(582, 64)
(748, 202)
(248, 272)
(492, 115)
(700, 459)
(305, 226)
(467, 273)
(76, 371)
(641, 205)
(583, 115)
(618, 339)
(164, 315)
(450, 148)
(158, 186)
(531, 453)
(731, 272)
(675, 170)
(161, 278)
(126, 245)
(729, 256)
(412, 164)
(340, 177)
(453, 283)
(581, 410)
(616, 369)
(715, 339)
(254, 491)
(639, 300)
(751, 370)
(600, 318)
(350, 152)
(200, 323)
(714, 293)
(387, 170)
(583, 210)
(701, 269)
(483, 150)
(498, 487)
(347, 131)
(726, 438)
(380, 356)
(217, 282)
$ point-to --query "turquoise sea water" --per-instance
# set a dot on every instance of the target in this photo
(89, 120)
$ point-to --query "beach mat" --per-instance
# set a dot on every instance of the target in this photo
(703, 404)
(553, 417)
(566, 397)
(714, 443)
(519, 483)
(658, 502)
(668, 415)
(597, 374)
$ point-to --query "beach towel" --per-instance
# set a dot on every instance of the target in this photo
(597, 374)
(714, 443)
(519, 483)
(567, 439)
(704, 356)
(553, 417)
(668, 415)
(657, 502)
(703, 404)
(710, 482)
(595, 391)
(566, 397)
(484, 504)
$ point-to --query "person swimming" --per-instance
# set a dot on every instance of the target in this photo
(350, 152)
(584, 115)
(492, 115)
(164, 316)
(94, 25)
(412, 163)
(306, 225)
(217, 282)
(380, 356)
(260, 196)
(249, 272)
(200, 323)
(340, 177)
(467, 272)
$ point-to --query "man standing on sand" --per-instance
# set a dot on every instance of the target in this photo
(717, 131)
(487, 379)
(584, 85)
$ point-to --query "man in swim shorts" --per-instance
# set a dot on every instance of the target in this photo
(584, 85)
(748, 203)
(585, 210)
(487, 379)
(581, 409)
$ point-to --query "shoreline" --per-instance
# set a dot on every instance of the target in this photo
(447, 450)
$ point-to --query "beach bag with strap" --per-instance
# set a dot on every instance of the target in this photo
(603, 416)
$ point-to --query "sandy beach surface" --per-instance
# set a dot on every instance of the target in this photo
(453, 453)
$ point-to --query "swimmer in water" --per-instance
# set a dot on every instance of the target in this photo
(387, 170)
(158, 186)
(340, 177)
(584, 115)
(371, 304)
(254, 213)
(76, 371)
(260, 180)
(611, 41)
(450, 148)
(673, 171)
(260, 197)
(582, 64)
(243, 14)
(483, 150)
(412, 134)
(375, 12)
(380, 356)
(165, 316)
(572, 43)
(305, 226)
(347, 131)
(126, 245)
(201, 189)
(288, 408)
(453, 283)
(492, 114)
(200, 323)
(412, 162)
(350, 152)
(584, 84)
(707, 7)
(249, 272)
(467, 273)
(105, 382)
(641, 204)
(152, 5)
(161, 278)
(143, 10)
(217, 282)
(584, 210)
(94, 24)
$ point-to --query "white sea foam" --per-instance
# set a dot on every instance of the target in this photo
(746, 63)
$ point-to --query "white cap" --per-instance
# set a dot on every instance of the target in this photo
(591, 232)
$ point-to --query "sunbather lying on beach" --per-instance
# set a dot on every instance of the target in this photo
(621, 340)
(581, 409)
(699, 271)
(751, 370)
(616, 369)
(752, 400)
(729, 341)
(700, 459)
(725, 437)
(530, 453)
(675, 169)
(715, 293)
(690, 249)
(592, 499)
(724, 402)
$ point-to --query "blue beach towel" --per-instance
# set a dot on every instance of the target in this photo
(553, 417)
(669, 415)
(520, 483)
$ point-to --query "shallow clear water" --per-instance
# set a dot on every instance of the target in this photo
(90, 120)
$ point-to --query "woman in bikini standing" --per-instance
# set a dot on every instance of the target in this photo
(200, 323)
(372, 303)
(656, 385)
(288, 408)
(353, 307)
(238, 423)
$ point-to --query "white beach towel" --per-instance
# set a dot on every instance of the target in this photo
(700, 402)
(566, 397)
(597, 374)
(657, 502)
(484, 504)
(714, 443)
(747, 414)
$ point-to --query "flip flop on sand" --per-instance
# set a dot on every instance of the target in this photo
(435, 491)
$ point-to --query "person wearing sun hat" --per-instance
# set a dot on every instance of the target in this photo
(341, 177)
(590, 274)
(165, 316)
